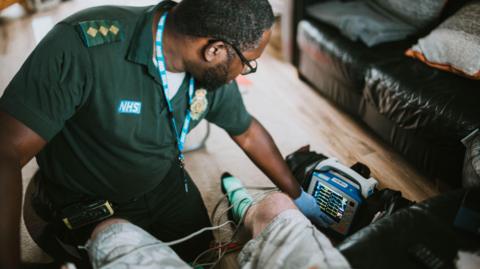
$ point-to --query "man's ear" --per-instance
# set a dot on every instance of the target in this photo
(215, 52)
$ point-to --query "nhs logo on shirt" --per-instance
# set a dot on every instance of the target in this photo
(129, 107)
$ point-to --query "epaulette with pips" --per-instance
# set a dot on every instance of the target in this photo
(99, 32)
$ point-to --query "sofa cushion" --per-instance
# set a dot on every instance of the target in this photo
(378, 21)
(343, 59)
(420, 14)
(454, 45)
(436, 104)
(357, 20)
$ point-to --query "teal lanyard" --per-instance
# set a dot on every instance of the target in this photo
(162, 70)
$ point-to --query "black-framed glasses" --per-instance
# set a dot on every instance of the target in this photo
(249, 66)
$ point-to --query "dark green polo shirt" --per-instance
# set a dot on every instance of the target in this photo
(70, 94)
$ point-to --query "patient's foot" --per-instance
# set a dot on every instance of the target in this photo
(237, 195)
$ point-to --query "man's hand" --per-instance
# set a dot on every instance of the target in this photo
(309, 207)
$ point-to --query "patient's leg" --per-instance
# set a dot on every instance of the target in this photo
(282, 236)
(116, 242)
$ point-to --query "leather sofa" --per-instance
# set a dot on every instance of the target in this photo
(391, 241)
(421, 111)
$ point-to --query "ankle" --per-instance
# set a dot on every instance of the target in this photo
(238, 197)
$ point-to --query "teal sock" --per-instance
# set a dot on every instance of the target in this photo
(237, 196)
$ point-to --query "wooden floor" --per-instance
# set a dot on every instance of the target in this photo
(292, 111)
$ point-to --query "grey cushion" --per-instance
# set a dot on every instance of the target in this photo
(373, 23)
(419, 13)
(455, 44)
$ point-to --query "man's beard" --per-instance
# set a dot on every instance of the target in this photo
(214, 77)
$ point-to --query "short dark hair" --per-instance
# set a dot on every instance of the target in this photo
(238, 22)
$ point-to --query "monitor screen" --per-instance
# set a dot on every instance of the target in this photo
(330, 202)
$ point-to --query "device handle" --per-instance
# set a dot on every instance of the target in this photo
(367, 186)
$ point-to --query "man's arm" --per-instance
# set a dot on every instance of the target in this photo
(257, 143)
(18, 145)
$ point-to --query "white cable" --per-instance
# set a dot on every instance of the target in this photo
(181, 240)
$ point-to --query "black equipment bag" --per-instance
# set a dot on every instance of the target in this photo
(382, 203)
